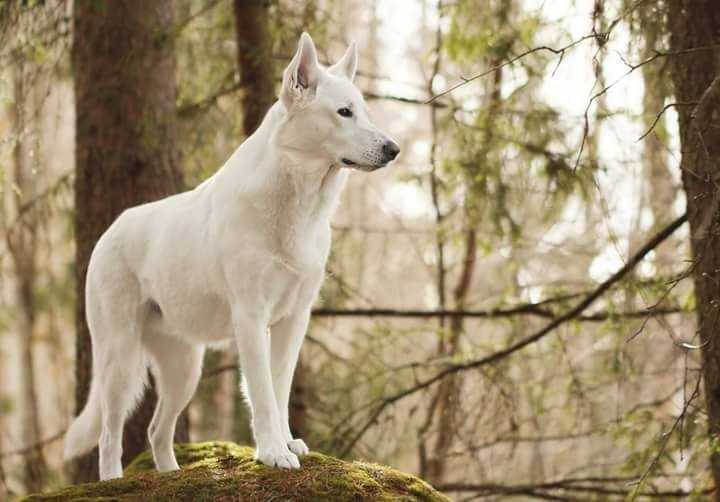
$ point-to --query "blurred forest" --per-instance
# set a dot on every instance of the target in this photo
(523, 306)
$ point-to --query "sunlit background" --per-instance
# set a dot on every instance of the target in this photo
(545, 164)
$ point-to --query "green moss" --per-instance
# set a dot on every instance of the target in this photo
(226, 471)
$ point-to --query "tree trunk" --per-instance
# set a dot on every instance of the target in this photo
(22, 245)
(125, 102)
(255, 62)
(696, 75)
(656, 164)
(447, 401)
(425, 458)
(257, 77)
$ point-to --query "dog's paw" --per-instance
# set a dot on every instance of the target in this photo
(277, 455)
(298, 447)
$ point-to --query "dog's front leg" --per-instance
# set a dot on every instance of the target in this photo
(254, 354)
(286, 337)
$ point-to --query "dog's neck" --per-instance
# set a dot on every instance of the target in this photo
(265, 161)
(295, 192)
(303, 192)
(307, 179)
(302, 174)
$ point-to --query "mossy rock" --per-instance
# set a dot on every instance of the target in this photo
(225, 471)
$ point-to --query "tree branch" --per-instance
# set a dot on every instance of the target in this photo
(636, 492)
(544, 48)
(33, 447)
(403, 99)
(232, 85)
(631, 69)
(451, 369)
(527, 309)
(660, 114)
(577, 485)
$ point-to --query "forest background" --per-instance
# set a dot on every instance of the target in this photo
(525, 304)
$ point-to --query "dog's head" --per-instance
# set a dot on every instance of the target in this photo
(327, 113)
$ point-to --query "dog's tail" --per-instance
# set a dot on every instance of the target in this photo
(84, 432)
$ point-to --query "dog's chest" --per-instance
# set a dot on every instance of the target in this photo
(297, 263)
(288, 289)
(283, 290)
(299, 234)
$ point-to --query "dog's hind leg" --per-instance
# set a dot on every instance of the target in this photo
(176, 366)
(119, 362)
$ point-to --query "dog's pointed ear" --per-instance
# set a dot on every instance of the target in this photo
(300, 78)
(346, 65)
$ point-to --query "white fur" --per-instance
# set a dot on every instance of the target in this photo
(241, 254)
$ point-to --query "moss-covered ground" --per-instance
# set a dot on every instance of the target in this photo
(222, 471)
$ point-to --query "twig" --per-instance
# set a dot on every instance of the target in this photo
(660, 114)
(31, 204)
(179, 27)
(191, 108)
(30, 448)
(464, 81)
(403, 99)
(666, 438)
(631, 69)
(234, 367)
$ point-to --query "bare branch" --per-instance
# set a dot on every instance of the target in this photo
(531, 309)
(591, 485)
(543, 48)
(33, 447)
(631, 69)
(660, 114)
(665, 439)
(451, 369)
(403, 99)
(32, 204)
(709, 102)
(232, 85)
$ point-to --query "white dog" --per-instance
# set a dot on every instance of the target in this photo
(241, 254)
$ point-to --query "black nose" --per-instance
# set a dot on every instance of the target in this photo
(390, 150)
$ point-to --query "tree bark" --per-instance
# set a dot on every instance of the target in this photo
(125, 103)
(257, 78)
(255, 61)
(695, 24)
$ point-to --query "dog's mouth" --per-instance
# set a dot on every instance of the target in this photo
(362, 167)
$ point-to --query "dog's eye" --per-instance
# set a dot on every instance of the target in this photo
(345, 112)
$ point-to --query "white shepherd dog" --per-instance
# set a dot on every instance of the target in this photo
(241, 254)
